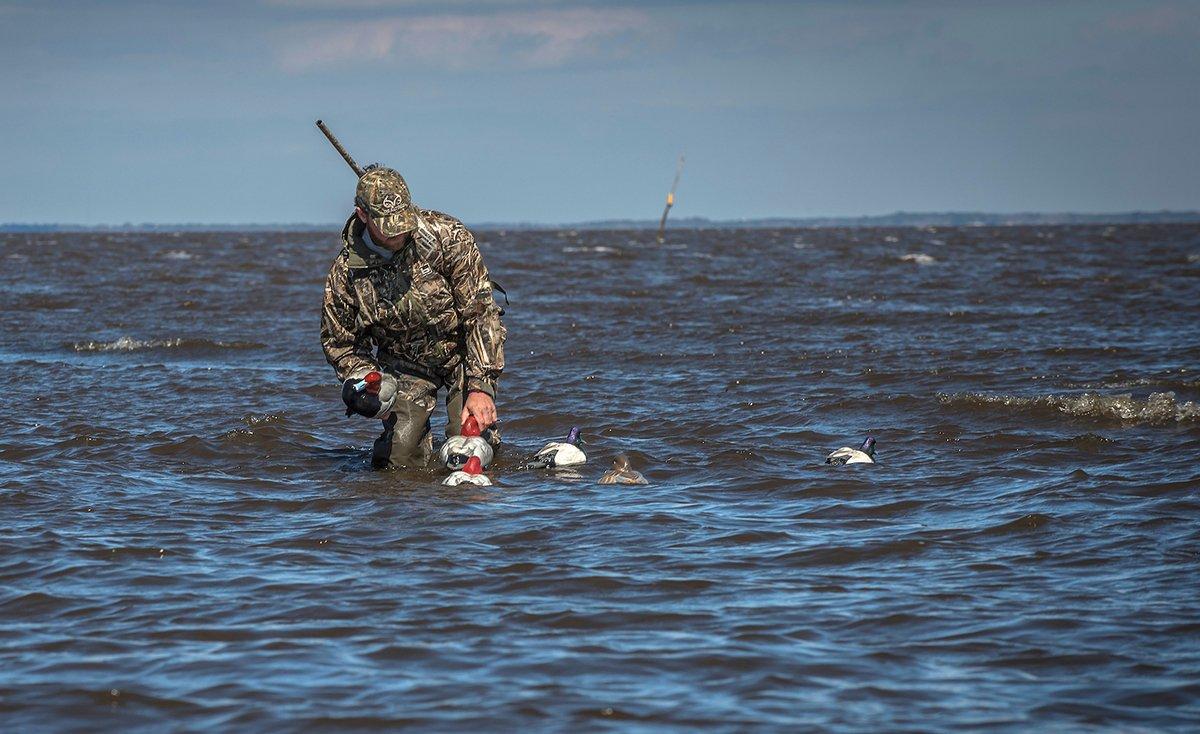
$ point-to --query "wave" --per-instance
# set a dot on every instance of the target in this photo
(129, 344)
(918, 258)
(1171, 383)
(1158, 408)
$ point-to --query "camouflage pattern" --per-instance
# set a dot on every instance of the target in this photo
(427, 312)
(384, 194)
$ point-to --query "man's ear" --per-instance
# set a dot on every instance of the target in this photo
(361, 214)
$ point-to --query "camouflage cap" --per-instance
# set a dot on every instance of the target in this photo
(384, 195)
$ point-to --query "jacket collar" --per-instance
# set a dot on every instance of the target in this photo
(358, 255)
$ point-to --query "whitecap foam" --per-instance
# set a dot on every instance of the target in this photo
(596, 248)
(126, 344)
(129, 344)
(178, 255)
(919, 258)
(1159, 407)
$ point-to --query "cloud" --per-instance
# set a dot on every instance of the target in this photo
(543, 38)
(1166, 19)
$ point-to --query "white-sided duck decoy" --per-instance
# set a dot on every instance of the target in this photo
(845, 455)
(622, 473)
(559, 453)
(457, 450)
(471, 473)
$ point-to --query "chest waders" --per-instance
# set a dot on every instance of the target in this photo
(407, 437)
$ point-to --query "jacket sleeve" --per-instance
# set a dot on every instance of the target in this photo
(348, 351)
(482, 329)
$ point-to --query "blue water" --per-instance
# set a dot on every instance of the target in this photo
(192, 536)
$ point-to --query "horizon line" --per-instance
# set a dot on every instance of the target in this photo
(897, 218)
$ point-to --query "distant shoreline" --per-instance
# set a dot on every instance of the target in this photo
(896, 219)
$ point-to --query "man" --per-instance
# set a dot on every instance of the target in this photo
(411, 284)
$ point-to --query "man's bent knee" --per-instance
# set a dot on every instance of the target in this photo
(406, 439)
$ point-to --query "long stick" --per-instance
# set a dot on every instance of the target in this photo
(338, 146)
(662, 223)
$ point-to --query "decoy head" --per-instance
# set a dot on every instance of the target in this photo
(621, 462)
(868, 447)
(470, 427)
(474, 466)
(573, 436)
(373, 380)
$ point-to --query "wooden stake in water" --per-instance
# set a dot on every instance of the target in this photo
(662, 223)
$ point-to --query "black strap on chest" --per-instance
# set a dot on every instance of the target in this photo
(497, 287)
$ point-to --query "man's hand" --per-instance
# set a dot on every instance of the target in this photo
(480, 405)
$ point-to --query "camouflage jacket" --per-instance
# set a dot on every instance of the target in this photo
(427, 311)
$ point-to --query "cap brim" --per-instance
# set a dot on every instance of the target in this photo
(398, 223)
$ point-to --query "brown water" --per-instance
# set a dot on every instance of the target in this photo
(190, 534)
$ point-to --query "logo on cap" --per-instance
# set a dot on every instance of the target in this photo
(391, 204)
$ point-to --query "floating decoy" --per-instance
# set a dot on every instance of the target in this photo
(622, 473)
(559, 453)
(471, 473)
(845, 455)
(457, 450)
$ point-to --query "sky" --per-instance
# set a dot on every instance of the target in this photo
(540, 111)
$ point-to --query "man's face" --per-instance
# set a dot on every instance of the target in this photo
(388, 243)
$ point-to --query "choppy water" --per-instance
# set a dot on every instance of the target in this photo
(190, 534)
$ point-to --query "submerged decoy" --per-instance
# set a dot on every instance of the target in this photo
(559, 453)
(457, 450)
(864, 454)
(622, 473)
(471, 473)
